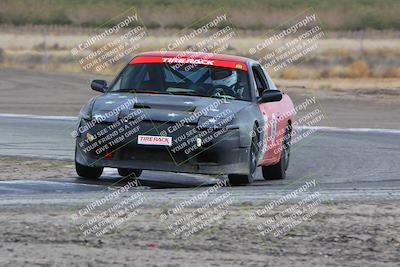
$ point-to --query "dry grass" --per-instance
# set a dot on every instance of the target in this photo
(341, 58)
(391, 72)
(358, 69)
(292, 72)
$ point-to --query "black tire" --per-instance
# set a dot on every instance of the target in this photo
(134, 173)
(278, 170)
(88, 172)
(245, 179)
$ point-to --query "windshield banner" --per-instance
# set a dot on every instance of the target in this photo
(190, 61)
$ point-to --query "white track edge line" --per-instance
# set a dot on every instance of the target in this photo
(316, 128)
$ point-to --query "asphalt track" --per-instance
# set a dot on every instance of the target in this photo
(345, 164)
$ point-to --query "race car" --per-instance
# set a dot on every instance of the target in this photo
(186, 112)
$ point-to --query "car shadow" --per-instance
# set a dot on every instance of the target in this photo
(152, 179)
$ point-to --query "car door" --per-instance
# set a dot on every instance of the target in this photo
(270, 113)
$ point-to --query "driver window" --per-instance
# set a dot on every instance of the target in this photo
(260, 82)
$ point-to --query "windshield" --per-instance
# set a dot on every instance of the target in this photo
(183, 79)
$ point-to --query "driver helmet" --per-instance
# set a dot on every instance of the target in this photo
(225, 77)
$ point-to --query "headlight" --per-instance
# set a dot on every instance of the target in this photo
(86, 111)
(85, 116)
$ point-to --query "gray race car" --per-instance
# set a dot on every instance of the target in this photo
(186, 112)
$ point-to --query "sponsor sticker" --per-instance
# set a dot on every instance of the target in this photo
(225, 63)
(188, 61)
(154, 140)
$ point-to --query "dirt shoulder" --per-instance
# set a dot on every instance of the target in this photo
(339, 234)
(19, 168)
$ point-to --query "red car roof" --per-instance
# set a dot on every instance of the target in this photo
(191, 58)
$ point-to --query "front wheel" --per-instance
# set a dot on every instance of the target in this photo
(244, 179)
(278, 170)
(88, 172)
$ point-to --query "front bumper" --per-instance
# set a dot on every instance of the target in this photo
(221, 154)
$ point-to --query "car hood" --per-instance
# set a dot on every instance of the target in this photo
(163, 107)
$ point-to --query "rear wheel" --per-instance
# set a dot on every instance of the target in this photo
(244, 179)
(88, 172)
(129, 172)
(278, 170)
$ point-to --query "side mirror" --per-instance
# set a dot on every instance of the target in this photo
(271, 96)
(99, 85)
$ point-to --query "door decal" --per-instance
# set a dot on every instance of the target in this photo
(273, 128)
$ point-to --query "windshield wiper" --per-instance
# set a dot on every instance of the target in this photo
(137, 91)
(191, 93)
(186, 93)
(223, 96)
